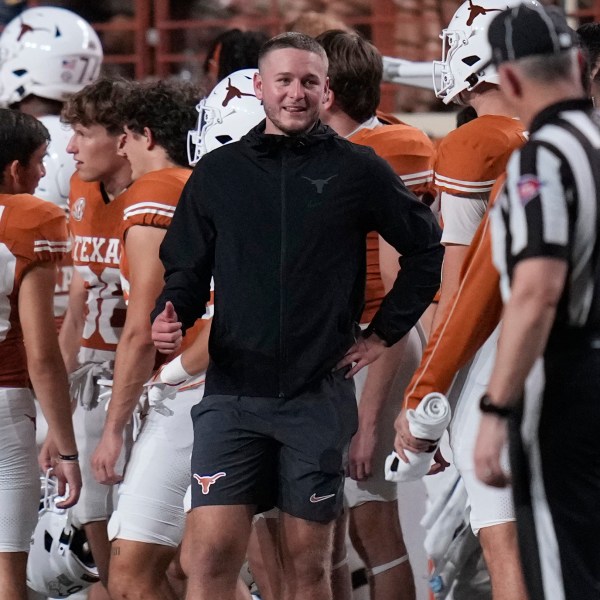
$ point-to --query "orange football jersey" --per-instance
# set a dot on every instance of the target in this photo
(31, 231)
(470, 158)
(470, 318)
(410, 153)
(95, 225)
(151, 201)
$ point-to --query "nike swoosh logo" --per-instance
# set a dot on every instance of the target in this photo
(314, 498)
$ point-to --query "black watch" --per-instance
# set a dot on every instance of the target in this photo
(487, 406)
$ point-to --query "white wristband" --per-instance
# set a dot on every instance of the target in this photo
(173, 373)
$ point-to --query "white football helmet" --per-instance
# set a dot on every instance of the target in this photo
(47, 51)
(465, 48)
(225, 115)
(60, 562)
(59, 164)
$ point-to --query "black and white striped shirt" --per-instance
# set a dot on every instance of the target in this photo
(549, 206)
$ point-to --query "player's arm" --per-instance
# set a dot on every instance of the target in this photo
(468, 320)
(195, 358)
(462, 216)
(187, 266)
(135, 357)
(72, 328)
(192, 362)
(47, 370)
(388, 264)
(378, 382)
(536, 289)
(376, 392)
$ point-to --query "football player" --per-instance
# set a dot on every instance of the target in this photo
(96, 313)
(46, 55)
(355, 72)
(469, 161)
(147, 525)
(33, 237)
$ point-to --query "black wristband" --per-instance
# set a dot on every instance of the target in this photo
(68, 457)
(487, 406)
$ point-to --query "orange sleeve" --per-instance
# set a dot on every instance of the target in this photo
(39, 230)
(152, 199)
(406, 149)
(52, 241)
(470, 158)
(470, 318)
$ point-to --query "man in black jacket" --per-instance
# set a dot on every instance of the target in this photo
(279, 220)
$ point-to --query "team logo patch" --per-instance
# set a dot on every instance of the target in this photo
(205, 481)
(78, 208)
(528, 187)
(319, 183)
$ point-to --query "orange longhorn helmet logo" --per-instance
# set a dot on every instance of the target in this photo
(29, 29)
(233, 92)
(475, 11)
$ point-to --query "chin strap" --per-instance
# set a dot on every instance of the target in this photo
(340, 564)
(390, 565)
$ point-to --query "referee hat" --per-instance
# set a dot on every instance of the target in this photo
(527, 30)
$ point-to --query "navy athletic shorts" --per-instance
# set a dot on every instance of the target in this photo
(285, 452)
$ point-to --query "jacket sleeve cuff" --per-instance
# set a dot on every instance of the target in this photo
(373, 329)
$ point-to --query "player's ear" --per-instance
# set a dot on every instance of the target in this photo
(149, 136)
(12, 174)
(121, 144)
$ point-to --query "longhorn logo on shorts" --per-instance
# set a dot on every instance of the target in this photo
(475, 11)
(207, 480)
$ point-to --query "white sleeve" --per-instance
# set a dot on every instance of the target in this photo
(461, 217)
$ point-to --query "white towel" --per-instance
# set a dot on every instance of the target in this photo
(427, 422)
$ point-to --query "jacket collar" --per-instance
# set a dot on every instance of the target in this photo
(260, 140)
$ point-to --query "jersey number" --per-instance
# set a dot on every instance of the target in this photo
(105, 305)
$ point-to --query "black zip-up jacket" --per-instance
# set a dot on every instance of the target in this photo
(280, 223)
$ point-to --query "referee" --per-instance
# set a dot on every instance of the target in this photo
(545, 236)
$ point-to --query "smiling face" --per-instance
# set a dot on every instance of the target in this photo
(292, 85)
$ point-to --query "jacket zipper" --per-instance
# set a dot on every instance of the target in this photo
(282, 281)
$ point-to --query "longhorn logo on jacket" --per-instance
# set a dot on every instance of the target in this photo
(319, 183)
